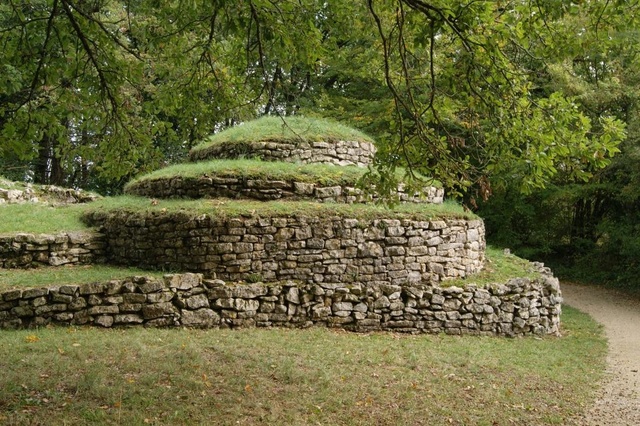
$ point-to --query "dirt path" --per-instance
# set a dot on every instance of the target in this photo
(618, 403)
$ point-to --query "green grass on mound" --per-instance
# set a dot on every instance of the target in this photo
(287, 130)
(141, 376)
(498, 269)
(224, 208)
(40, 218)
(321, 174)
(61, 275)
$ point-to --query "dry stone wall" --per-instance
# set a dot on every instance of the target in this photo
(263, 189)
(68, 248)
(341, 153)
(43, 193)
(313, 250)
(518, 307)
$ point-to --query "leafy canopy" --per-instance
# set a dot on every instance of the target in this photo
(97, 92)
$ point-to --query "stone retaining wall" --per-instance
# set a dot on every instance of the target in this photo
(266, 190)
(342, 153)
(314, 250)
(44, 193)
(27, 250)
(518, 307)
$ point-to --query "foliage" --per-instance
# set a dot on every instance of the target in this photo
(286, 377)
(586, 229)
(467, 109)
(98, 92)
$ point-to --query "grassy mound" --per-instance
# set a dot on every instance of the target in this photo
(293, 130)
(498, 268)
(321, 174)
(224, 208)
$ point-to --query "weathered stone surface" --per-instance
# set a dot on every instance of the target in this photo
(128, 319)
(27, 250)
(246, 305)
(518, 307)
(34, 292)
(158, 310)
(104, 321)
(202, 318)
(98, 310)
(91, 288)
(150, 286)
(198, 301)
(248, 291)
(182, 281)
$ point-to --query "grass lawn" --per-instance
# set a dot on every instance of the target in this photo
(41, 219)
(61, 275)
(296, 377)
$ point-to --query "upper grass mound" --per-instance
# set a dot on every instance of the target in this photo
(293, 130)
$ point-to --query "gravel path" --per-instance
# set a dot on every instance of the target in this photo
(618, 402)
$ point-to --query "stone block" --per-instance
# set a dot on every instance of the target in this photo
(184, 281)
(158, 310)
(128, 319)
(101, 310)
(34, 293)
(91, 288)
(203, 318)
(104, 320)
(150, 286)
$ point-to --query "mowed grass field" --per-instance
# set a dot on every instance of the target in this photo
(137, 376)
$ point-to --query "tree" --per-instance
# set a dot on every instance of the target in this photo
(111, 88)
(467, 109)
(586, 228)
